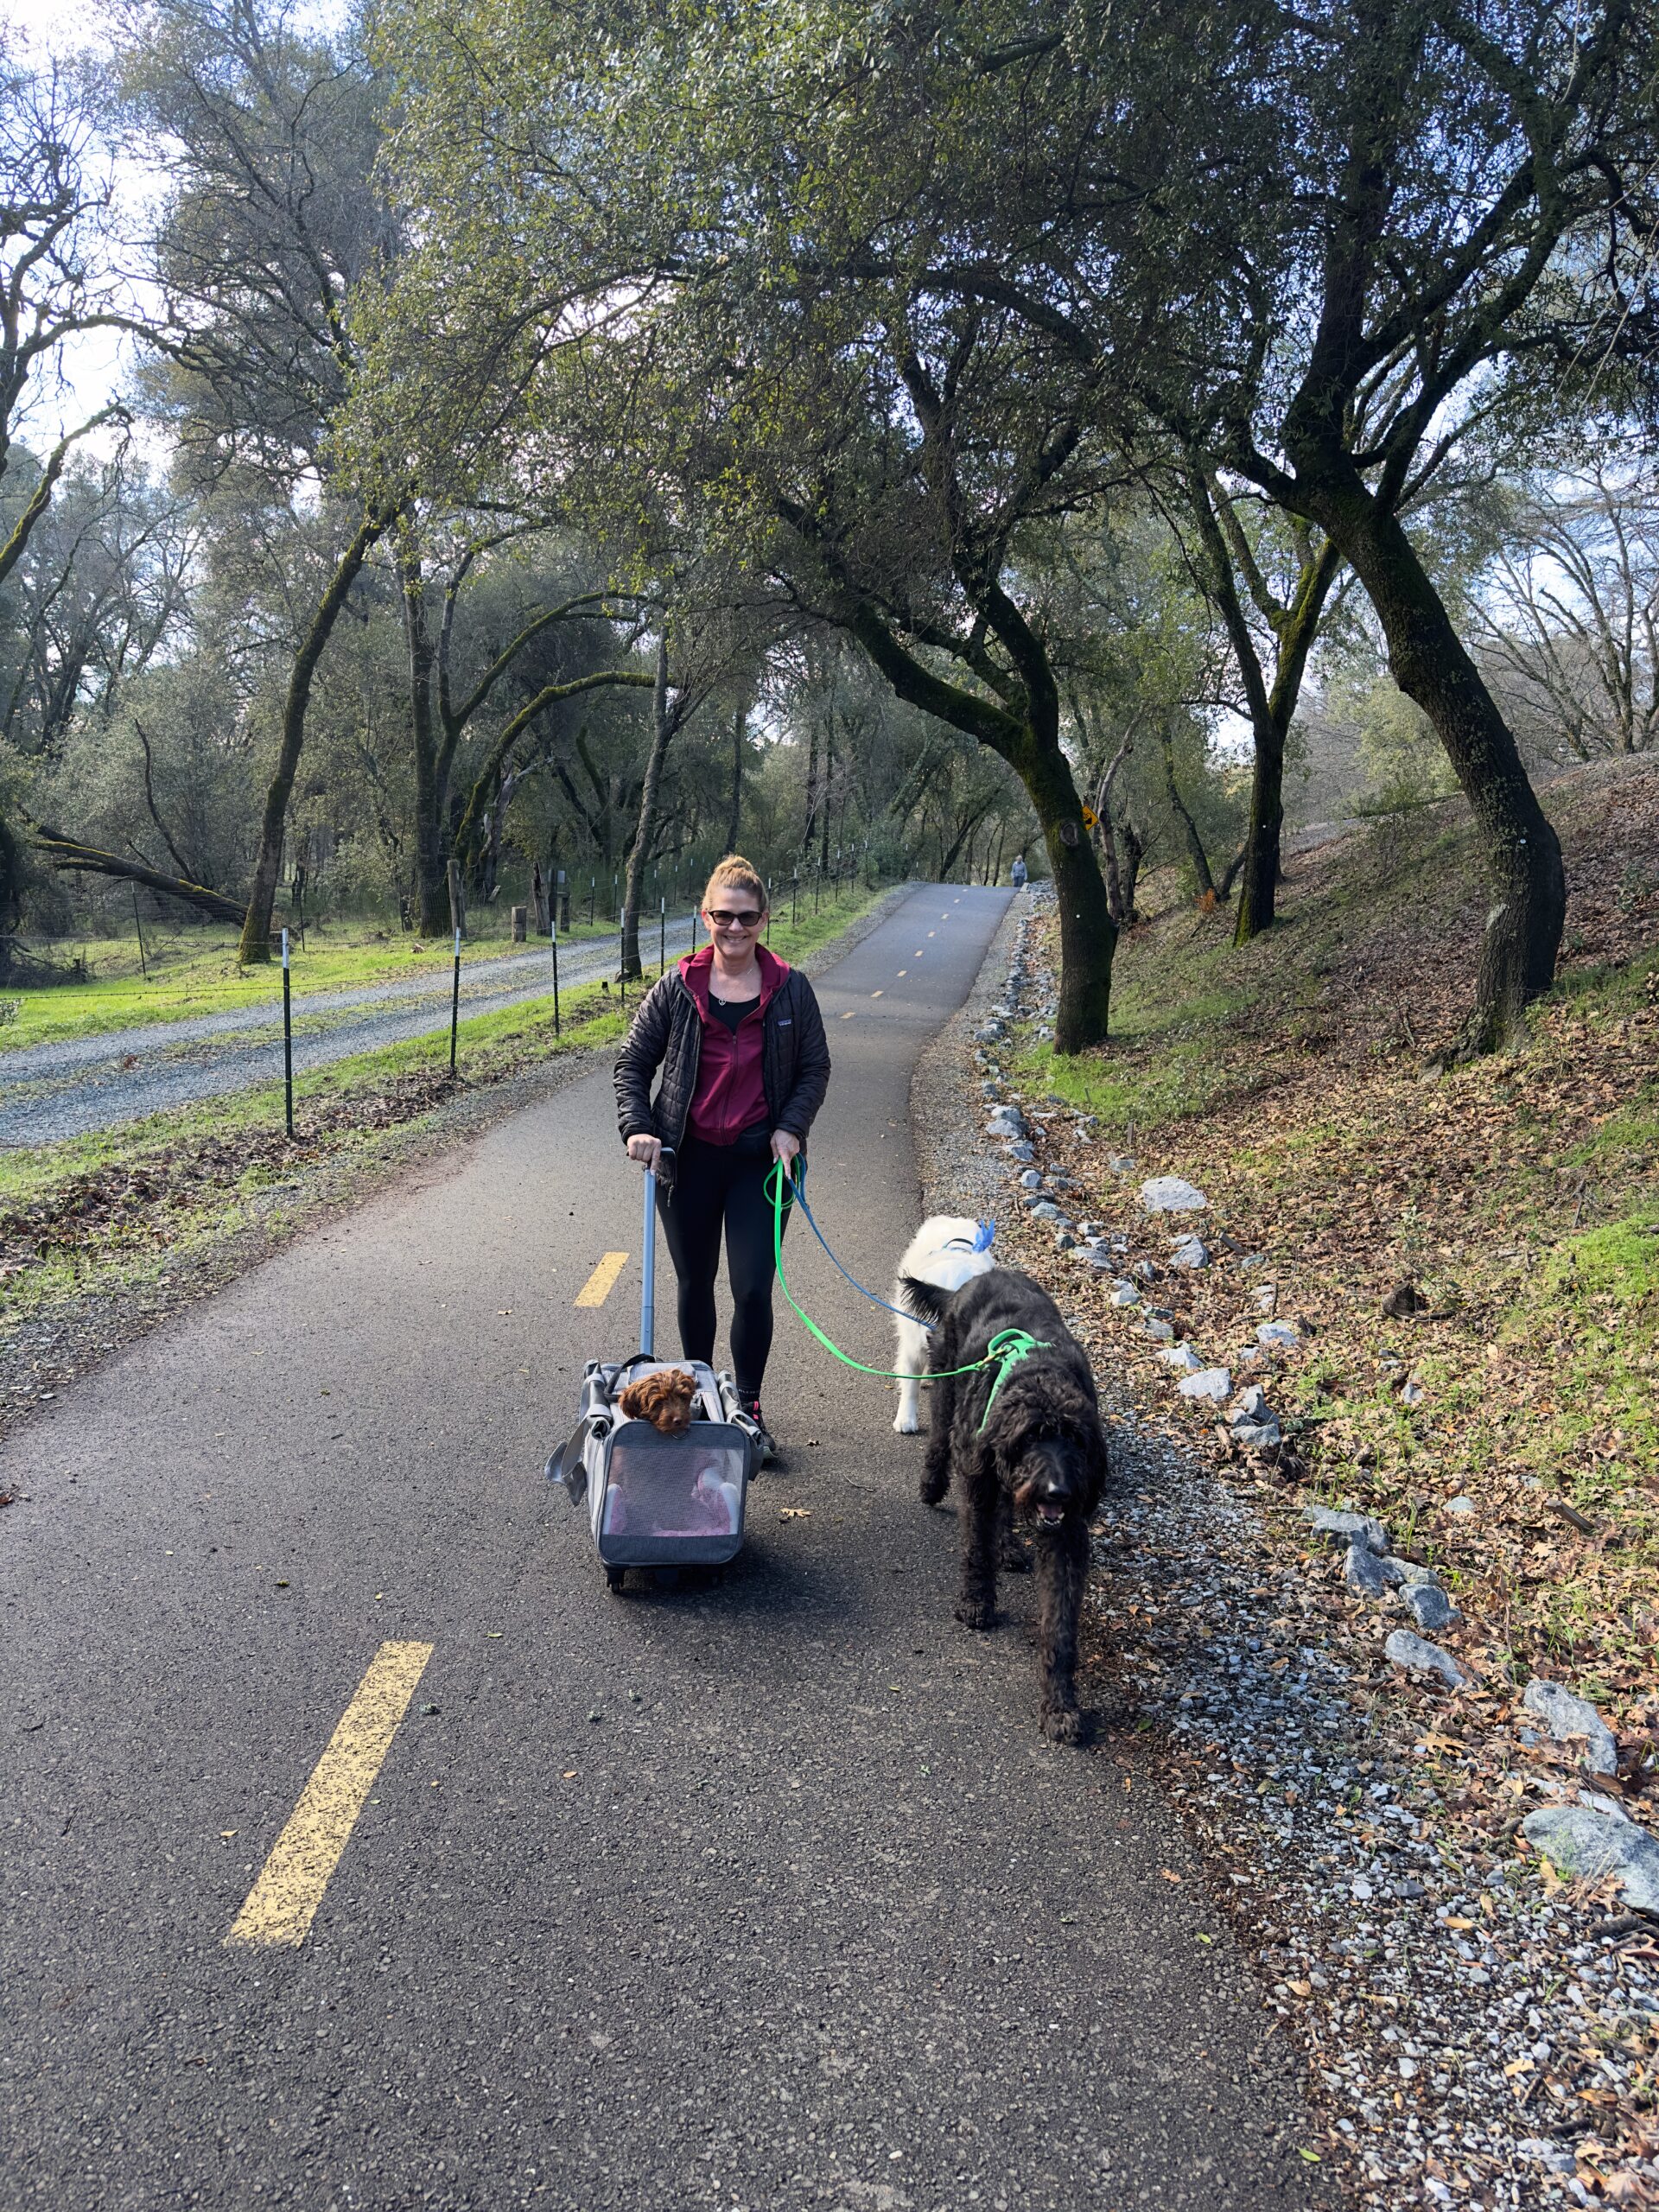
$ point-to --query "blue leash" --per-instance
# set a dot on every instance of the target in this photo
(986, 1230)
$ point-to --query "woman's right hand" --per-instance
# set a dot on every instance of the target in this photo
(646, 1150)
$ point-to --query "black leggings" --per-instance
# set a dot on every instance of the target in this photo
(717, 1184)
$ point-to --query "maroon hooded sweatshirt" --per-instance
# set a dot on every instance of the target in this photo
(730, 1095)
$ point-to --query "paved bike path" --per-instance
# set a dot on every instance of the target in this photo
(760, 1895)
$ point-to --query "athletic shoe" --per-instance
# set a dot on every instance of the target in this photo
(768, 1448)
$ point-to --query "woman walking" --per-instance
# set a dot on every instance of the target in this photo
(740, 1039)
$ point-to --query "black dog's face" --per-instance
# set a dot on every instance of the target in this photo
(1051, 1478)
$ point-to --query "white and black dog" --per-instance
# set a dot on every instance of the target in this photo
(946, 1252)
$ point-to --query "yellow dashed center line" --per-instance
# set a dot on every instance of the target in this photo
(283, 1901)
(904, 971)
(849, 1014)
(875, 995)
(602, 1281)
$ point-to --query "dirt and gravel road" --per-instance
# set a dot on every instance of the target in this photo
(54, 1091)
(765, 1896)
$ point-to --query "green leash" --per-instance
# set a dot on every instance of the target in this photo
(1005, 1352)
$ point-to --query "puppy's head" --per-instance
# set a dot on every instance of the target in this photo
(665, 1400)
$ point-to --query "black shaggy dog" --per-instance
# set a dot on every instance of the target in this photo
(1021, 1440)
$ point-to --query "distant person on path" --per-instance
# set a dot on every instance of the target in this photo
(1017, 873)
(740, 1040)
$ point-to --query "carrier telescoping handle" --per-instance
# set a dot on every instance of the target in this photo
(648, 1271)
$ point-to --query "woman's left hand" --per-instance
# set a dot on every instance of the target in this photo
(785, 1149)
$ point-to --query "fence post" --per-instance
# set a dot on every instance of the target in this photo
(288, 1037)
(553, 938)
(455, 1004)
(143, 964)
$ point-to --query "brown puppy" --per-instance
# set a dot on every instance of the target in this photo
(665, 1400)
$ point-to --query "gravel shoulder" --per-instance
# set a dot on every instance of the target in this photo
(1476, 2030)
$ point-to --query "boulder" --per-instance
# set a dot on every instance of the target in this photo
(1032, 1180)
(1021, 1149)
(1409, 1651)
(1125, 1293)
(1212, 1384)
(1463, 1507)
(1428, 1605)
(1257, 1435)
(1190, 1252)
(1566, 1716)
(1341, 1529)
(1590, 1845)
(1181, 1357)
(1170, 1194)
(1278, 1336)
(1162, 1332)
(1251, 1406)
(1007, 1121)
(1362, 1572)
(1121, 1163)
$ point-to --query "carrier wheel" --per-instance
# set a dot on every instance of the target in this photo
(613, 1576)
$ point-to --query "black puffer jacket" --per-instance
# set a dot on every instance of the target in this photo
(667, 1033)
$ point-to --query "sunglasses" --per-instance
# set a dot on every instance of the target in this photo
(721, 920)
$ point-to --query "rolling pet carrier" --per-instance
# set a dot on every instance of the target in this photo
(655, 1500)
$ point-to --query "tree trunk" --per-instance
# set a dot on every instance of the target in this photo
(1088, 933)
(1132, 849)
(740, 725)
(1261, 866)
(256, 930)
(1523, 853)
(1195, 851)
(661, 730)
(431, 879)
(70, 857)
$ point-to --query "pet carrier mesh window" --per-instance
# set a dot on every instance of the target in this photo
(672, 1500)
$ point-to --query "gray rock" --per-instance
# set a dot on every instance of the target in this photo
(1409, 1651)
(989, 1033)
(1064, 1241)
(1120, 1163)
(1588, 1845)
(1428, 1605)
(1566, 1716)
(1031, 1180)
(1007, 1121)
(1258, 1436)
(1181, 1357)
(1020, 1149)
(1413, 1393)
(1146, 1269)
(1102, 1261)
(1461, 1506)
(1266, 1296)
(1125, 1293)
(1045, 1210)
(1280, 1335)
(1161, 1332)
(1252, 1405)
(1362, 1572)
(1212, 1383)
(1170, 1194)
(1190, 1252)
(1341, 1529)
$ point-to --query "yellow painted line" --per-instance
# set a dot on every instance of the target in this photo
(849, 1014)
(934, 932)
(283, 1901)
(875, 995)
(602, 1281)
(904, 971)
